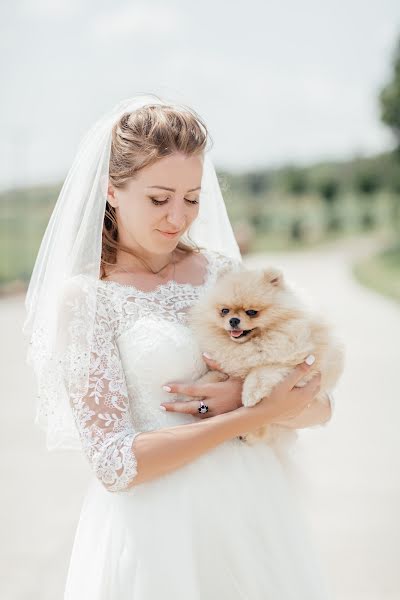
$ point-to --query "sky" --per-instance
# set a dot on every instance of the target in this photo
(276, 82)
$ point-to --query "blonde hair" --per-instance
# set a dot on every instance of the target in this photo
(139, 139)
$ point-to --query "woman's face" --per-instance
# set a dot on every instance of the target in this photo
(151, 216)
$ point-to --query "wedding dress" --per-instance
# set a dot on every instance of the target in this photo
(224, 526)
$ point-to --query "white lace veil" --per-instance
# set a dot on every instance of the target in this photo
(71, 251)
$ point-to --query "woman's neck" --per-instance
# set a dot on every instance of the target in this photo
(144, 261)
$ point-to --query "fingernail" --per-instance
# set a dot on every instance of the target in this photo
(207, 355)
(162, 407)
(310, 359)
(166, 388)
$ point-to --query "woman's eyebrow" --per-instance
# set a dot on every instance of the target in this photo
(163, 187)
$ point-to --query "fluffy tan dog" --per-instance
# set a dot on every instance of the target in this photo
(254, 325)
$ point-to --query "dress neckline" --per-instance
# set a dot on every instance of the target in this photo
(171, 283)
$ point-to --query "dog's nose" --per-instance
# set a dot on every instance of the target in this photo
(234, 322)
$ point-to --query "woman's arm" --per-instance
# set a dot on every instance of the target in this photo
(100, 408)
(163, 450)
(226, 396)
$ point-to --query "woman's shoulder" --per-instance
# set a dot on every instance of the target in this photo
(86, 300)
(79, 286)
(83, 293)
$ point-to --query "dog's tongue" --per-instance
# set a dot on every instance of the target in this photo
(236, 332)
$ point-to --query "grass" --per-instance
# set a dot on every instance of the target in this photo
(382, 272)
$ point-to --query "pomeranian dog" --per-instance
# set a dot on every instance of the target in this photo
(257, 328)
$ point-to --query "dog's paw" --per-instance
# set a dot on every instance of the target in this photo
(249, 400)
(250, 392)
(256, 386)
(253, 394)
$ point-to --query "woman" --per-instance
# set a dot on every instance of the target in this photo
(178, 506)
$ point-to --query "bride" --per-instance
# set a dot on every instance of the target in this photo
(178, 505)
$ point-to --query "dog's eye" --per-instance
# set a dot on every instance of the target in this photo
(251, 312)
(224, 311)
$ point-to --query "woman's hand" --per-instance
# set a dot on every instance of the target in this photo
(315, 413)
(286, 401)
(220, 397)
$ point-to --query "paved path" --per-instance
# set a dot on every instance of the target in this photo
(353, 463)
(351, 466)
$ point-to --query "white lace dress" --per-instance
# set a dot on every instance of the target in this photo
(225, 526)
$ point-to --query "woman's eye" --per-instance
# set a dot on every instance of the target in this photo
(251, 312)
(158, 202)
(224, 311)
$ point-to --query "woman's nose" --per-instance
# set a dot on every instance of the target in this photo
(177, 217)
(176, 221)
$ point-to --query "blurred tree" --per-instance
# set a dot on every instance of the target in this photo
(367, 184)
(296, 181)
(394, 187)
(297, 229)
(390, 98)
(329, 191)
(256, 185)
(390, 114)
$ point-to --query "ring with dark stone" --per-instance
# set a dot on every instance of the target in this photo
(203, 408)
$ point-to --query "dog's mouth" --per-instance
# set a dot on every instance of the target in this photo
(239, 333)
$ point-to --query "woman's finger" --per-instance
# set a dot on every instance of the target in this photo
(189, 389)
(311, 389)
(299, 371)
(188, 407)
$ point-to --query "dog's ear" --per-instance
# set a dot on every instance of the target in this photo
(273, 276)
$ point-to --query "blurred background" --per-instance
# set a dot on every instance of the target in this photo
(302, 100)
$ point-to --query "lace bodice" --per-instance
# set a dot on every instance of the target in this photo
(141, 341)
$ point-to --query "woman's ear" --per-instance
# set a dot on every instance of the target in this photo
(111, 198)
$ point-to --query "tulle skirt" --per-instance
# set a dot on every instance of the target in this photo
(225, 526)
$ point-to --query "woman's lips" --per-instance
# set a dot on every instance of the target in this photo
(167, 234)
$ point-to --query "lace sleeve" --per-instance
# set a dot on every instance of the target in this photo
(102, 416)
